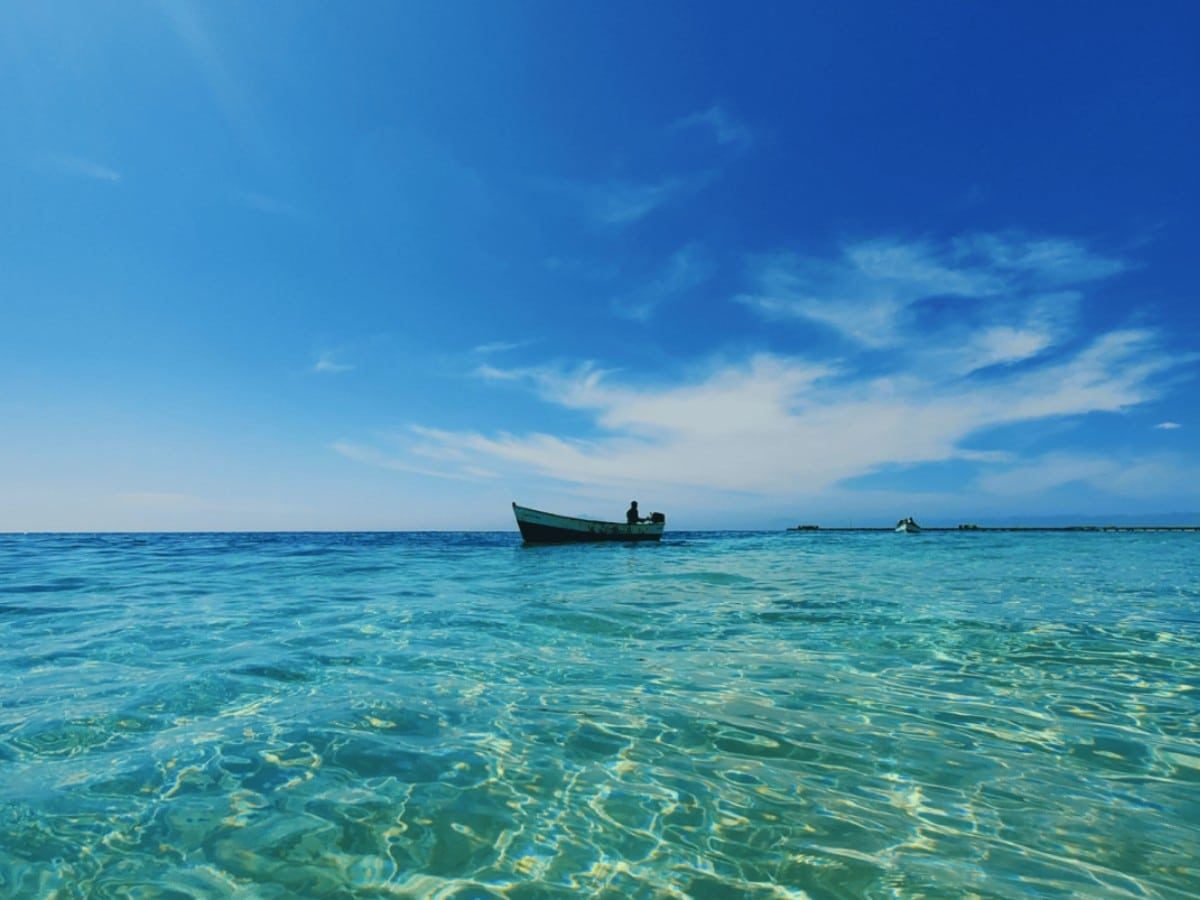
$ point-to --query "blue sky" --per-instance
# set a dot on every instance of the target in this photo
(392, 265)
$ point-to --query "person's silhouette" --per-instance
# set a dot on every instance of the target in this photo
(632, 516)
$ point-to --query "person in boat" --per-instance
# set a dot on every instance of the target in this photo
(632, 516)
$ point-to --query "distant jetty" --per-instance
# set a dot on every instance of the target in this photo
(1019, 528)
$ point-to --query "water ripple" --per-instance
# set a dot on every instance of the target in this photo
(720, 715)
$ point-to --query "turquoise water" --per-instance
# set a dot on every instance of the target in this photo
(721, 715)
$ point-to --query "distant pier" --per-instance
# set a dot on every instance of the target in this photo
(820, 529)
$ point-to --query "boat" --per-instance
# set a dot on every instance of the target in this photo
(539, 527)
(908, 526)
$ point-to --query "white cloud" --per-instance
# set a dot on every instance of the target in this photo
(862, 293)
(500, 347)
(1168, 426)
(617, 203)
(622, 203)
(1051, 261)
(376, 457)
(780, 426)
(777, 428)
(725, 128)
(1158, 476)
(686, 270)
(78, 167)
(225, 89)
(1004, 344)
(327, 364)
(1114, 373)
(492, 373)
(870, 290)
(1154, 476)
(1001, 335)
(1048, 472)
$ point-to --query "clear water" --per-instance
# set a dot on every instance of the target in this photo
(720, 715)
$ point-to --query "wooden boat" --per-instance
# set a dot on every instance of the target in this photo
(908, 526)
(538, 527)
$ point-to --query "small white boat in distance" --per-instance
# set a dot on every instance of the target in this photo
(908, 526)
(538, 527)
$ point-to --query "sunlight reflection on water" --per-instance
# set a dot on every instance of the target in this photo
(755, 715)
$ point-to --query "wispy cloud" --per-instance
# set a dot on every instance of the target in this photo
(383, 459)
(1152, 476)
(1168, 426)
(226, 91)
(1049, 261)
(501, 347)
(493, 373)
(617, 203)
(782, 426)
(869, 289)
(686, 270)
(999, 347)
(621, 203)
(1003, 334)
(1002, 344)
(725, 128)
(327, 363)
(863, 291)
(77, 166)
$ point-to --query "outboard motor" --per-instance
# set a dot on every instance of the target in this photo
(657, 518)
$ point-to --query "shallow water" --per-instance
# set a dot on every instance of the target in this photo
(720, 715)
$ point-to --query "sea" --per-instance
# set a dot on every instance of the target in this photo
(719, 715)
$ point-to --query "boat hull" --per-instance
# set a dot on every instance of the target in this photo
(538, 527)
